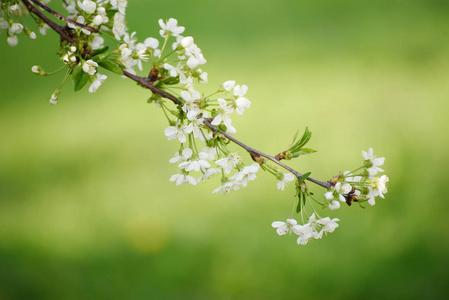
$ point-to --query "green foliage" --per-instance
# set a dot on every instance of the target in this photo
(110, 65)
(80, 78)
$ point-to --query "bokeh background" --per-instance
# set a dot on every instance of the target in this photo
(87, 210)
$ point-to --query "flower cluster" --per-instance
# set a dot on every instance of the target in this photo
(198, 121)
(361, 185)
(314, 229)
(10, 21)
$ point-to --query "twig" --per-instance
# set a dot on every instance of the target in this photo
(62, 18)
(145, 81)
(50, 23)
(254, 152)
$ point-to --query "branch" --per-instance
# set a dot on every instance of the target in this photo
(50, 23)
(62, 18)
(253, 152)
(144, 81)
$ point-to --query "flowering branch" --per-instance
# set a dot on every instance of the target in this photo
(61, 17)
(195, 117)
(53, 25)
(253, 152)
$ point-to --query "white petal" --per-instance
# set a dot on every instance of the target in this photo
(277, 224)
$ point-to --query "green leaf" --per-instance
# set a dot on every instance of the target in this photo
(101, 57)
(304, 177)
(111, 66)
(294, 138)
(100, 51)
(303, 151)
(298, 206)
(302, 142)
(80, 79)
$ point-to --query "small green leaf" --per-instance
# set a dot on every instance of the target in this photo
(303, 151)
(294, 138)
(304, 177)
(298, 206)
(111, 66)
(80, 79)
(101, 57)
(100, 51)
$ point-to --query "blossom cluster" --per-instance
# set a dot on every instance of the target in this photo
(314, 229)
(10, 21)
(198, 121)
(361, 185)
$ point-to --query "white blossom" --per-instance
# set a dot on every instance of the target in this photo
(15, 28)
(187, 42)
(97, 42)
(100, 79)
(210, 173)
(375, 161)
(282, 228)
(242, 103)
(183, 179)
(120, 5)
(229, 162)
(54, 98)
(196, 165)
(247, 174)
(101, 12)
(343, 190)
(329, 225)
(334, 205)
(229, 85)
(185, 155)
(240, 90)
(224, 114)
(151, 43)
(227, 187)
(286, 179)
(203, 77)
(211, 152)
(178, 132)
(35, 69)
(174, 71)
(12, 41)
(43, 29)
(88, 6)
(170, 28)
(90, 66)
(119, 28)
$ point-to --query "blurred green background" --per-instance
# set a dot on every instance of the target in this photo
(87, 210)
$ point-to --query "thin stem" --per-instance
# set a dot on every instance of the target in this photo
(148, 84)
(62, 18)
(50, 23)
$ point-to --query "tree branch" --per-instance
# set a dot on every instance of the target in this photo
(50, 23)
(145, 81)
(254, 152)
(63, 18)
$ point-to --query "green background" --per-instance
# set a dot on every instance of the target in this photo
(87, 210)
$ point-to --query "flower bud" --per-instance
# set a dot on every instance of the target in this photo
(187, 42)
(97, 20)
(54, 98)
(32, 35)
(12, 41)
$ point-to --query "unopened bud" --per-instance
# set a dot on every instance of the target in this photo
(35, 69)
(32, 35)
(187, 42)
(54, 98)
(12, 40)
